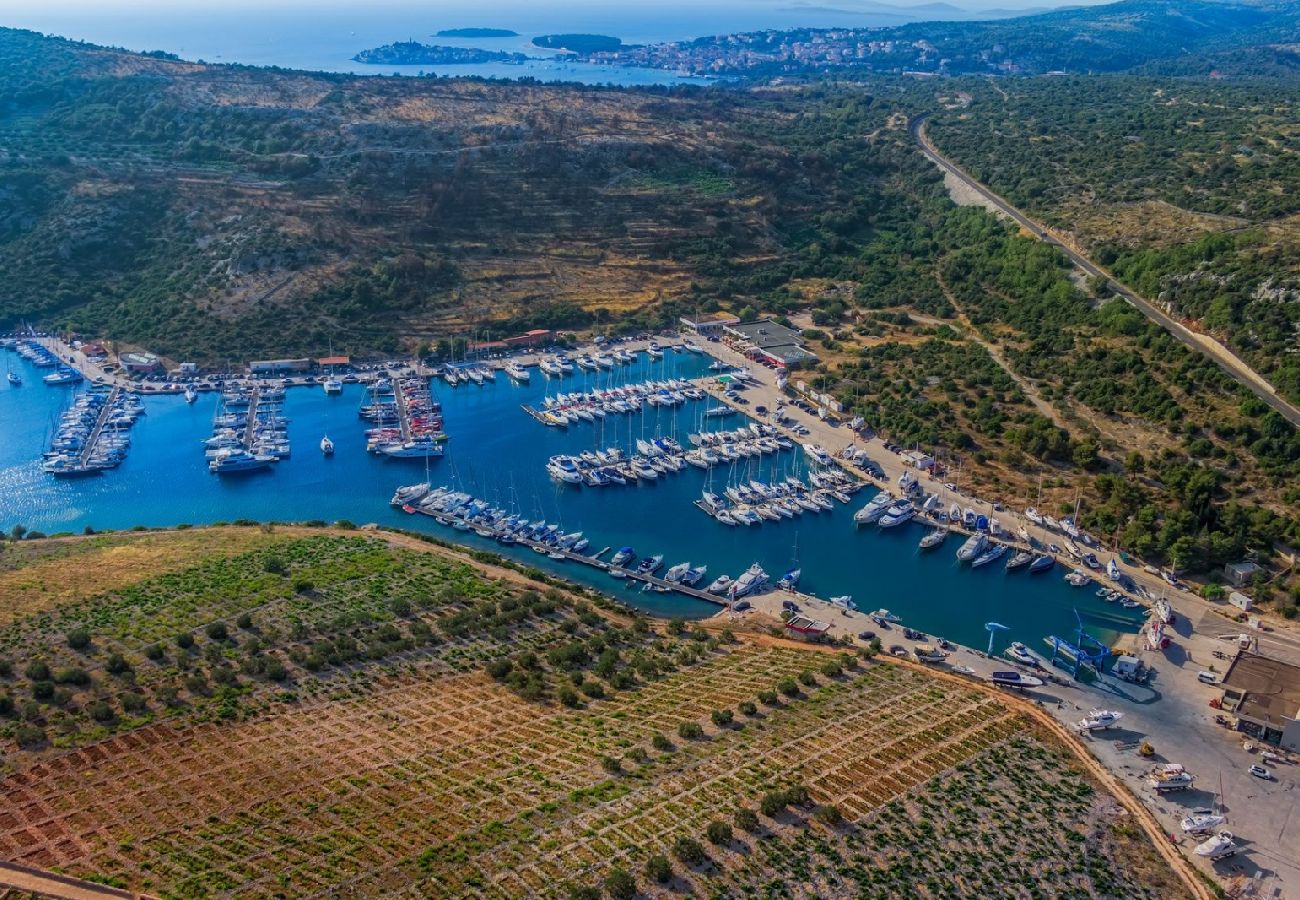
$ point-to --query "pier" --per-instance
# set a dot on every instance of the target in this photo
(105, 413)
(250, 427)
(403, 412)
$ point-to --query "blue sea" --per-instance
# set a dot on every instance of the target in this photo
(498, 452)
(321, 35)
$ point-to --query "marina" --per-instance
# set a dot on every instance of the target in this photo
(506, 464)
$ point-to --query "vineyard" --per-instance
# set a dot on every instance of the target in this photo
(527, 744)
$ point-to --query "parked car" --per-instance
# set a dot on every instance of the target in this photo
(866, 635)
(1261, 772)
(1207, 677)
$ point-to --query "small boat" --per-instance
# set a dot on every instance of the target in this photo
(327, 446)
(1041, 564)
(1077, 578)
(15, 379)
(934, 539)
(1099, 719)
(963, 670)
(1034, 516)
(1164, 611)
(844, 601)
(928, 654)
(1112, 571)
(1020, 560)
(973, 547)
(886, 616)
(719, 585)
(650, 564)
(997, 551)
(1201, 821)
(190, 396)
(677, 572)
(790, 579)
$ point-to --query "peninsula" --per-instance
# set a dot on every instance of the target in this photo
(413, 53)
(476, 33)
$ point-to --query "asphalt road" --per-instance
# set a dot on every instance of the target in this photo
(1220, 356)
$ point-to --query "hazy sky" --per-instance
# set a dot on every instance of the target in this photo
(26, 8)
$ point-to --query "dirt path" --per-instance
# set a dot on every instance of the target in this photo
(50, 884)
(1031, 391)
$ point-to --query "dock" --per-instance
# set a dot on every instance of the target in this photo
(105, 413)
(250, 427)
(403, 413)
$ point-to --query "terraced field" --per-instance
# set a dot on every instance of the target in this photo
(606, 754)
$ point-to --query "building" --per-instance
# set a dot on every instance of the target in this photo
(768, 341)
(806, 629)
(1241, 573)
(188, 368)
(534, 338)
(1241, 601)
(919, 459)
(94, 350)
(709, 325)
(1264, 695)
(279, 366)
(329, 362)
(140, 363)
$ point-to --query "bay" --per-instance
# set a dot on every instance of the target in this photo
(496, 451)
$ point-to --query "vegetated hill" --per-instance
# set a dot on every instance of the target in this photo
(1107, 38)
(333, 713)
(1188, 189)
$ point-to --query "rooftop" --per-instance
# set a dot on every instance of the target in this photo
(1270, 688)
(765, 334)
(807, 625)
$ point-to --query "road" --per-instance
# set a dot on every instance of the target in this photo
(39, 883)
(1218, 354)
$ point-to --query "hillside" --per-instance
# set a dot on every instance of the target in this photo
(334, 713)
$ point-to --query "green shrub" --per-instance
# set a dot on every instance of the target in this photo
(722, 717)
(773, 802)
(788, 686)
(245, 621)
(156, 652)
(768, 698)
(100, 711)
(620, 885)
(748, 708)
(6, 706)
(807, 677)
(828, 814)
(117, 664)
(78, 639)
(43, 690)
(660, 742)
(689, 851)
(303, 586)
(217, 631)
(29, 736)
(611, 764)
(37, 670)
(690, 731)
(185, 640)
(72, 675)
(746, 820)
(134, 703)
(583, 892)
(658, 868)
(719, 833)
(569, 697)
(499, 668)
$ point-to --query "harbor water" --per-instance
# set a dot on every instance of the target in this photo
(498, 452)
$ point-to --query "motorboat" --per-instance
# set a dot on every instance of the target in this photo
(1164, 611)
(1017, 680)
(15, 379)
(790, 579)
(190, 396)
(1041, 564)
(1034, 516)
(885, 615)
(327, 446)
(1170, 777)
(901, 512)
(928, 654)
(995, 552)
(650, 564)
(1018, 652)
(1221, 846)
(1019, 560)
(974, 545)
(1077, 578)
(753, 580)
(676, 573)
(694, 575)
(844, 601)
(1201, 821)
(230, 460)
(1099, 720)
(934, 539)
(624, 556)
(817, 454)
(719, 585)
(413, 493)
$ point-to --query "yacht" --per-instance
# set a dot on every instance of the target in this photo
(997, 551)
(934, 539)
(1041, 564)
(1221, 846)
(884, 615)
(928, 654)
(231, 460)
(1020, 560)
(327, 446)
(1018, 652)
(624, 556)
(694, 575)
(975, 545)
(719, 585)
(417, 448)
(754, 579)
(677, 572)
(413, 493)
(190, 396)
(1170, 777)
(332, 385)
(650, 564)
(1099, 720)
(844, 601)
(517, 373)
(817, 453)
(1015, 680)
(901, 512)
(1200, 821)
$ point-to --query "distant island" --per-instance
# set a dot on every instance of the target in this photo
(477, 33)
(412, 53)
(579, 43)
